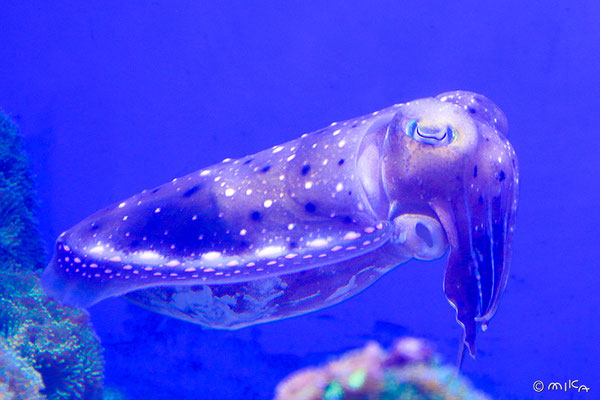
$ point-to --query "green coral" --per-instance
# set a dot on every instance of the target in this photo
(44, 338)
(18, 380)
(427, 381)
(112, 393)
(20, 244)
(334, 391)
(57, 341)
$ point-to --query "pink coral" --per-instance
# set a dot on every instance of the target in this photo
(408, 370)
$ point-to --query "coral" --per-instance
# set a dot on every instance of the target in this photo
(57, 341)
(408, 371)
(18, 381)
(39, 335)
(112, 393)
(20, 244)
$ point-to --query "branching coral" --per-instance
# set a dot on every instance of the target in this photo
(409, 371)
(39, 334)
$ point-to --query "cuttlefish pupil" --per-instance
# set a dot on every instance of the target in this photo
(430, 133)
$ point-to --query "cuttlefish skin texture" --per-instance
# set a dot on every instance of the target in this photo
(311, 222)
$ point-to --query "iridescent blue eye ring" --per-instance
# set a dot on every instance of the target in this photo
(431, 135)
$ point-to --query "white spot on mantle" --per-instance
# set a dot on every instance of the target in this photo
(97, 249)
(318, 243)
(351, 235)
(270, 251)
(211, 255)
(149, 255)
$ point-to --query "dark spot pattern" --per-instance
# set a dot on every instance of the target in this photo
(480, 199)
(255, 215)
(155, 190)
(341, 162)
(310, 207)
(265, 169)
(191, 191)
(472, 110)
(475, 172)
(248, 161)
(501, 176)
(348, 219)
(305, 169)
(94, 226)
(187, 236)
(293, 245)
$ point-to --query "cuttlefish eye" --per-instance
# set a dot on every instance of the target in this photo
(433, 134)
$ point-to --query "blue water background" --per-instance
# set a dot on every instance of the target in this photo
(115, 97)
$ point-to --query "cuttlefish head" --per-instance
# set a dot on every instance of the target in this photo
(448, 159)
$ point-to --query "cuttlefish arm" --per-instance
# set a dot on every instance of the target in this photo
(452, 153)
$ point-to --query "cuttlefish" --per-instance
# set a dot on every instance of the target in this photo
(311, 222)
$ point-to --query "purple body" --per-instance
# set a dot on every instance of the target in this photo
(311, 222)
